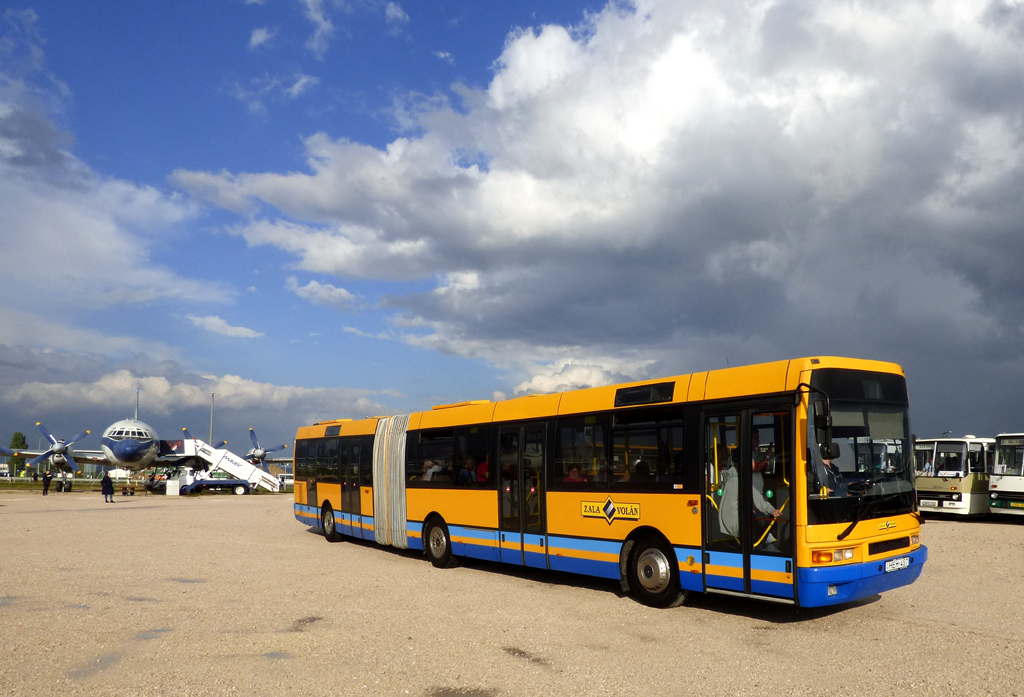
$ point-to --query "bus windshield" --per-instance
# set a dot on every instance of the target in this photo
(948, 460)
(873, 475)
(1010, 457)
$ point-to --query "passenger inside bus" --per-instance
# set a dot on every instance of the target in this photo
(574, 475)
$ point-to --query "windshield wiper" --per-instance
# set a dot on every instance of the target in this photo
(863, 513)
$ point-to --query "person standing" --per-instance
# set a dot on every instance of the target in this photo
(47, 478)
(107, 487)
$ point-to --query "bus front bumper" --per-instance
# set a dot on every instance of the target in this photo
(833, 585)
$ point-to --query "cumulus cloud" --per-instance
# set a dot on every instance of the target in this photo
(219, 326)
(261, 36)
(43, 384)
(166, 396)
(674, 185)
(324, 294)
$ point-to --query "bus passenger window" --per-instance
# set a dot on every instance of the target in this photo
(428, 457)
(580, 451)
(472, 466)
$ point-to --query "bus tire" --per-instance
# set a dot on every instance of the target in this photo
(327, 523)
(437, 544)
(653, 576)
(239, 489)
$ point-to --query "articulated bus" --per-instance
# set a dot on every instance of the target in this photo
(790, 481)
(953, 473)
(1006, 487)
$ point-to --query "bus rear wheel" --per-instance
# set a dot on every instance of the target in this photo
(327, 523)
(653, 576)
(437, 543)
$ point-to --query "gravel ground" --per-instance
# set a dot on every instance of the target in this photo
(221, 594)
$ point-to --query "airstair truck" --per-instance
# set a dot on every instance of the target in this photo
(246, 476)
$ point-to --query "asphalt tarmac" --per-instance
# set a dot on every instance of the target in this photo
(222, 594)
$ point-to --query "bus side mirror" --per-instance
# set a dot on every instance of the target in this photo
(829, 451)
(822, 424)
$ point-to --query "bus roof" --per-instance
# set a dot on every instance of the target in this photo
(762, 378)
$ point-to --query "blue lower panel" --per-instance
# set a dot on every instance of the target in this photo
(715, 571)
(414, 534)
(776, 566)
(590, 557)
(308, 515)
(689, 580)
(536, 560)
(511, 550)
(780, 590)
(855, 581)
(473, 542)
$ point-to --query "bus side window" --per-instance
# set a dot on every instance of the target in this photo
(580, 451)
(366, 462)
(472, 467)
(976, 458)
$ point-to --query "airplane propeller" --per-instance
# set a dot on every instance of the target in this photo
(258, 454)
(59, 449)
(7, 451)
(191, 437)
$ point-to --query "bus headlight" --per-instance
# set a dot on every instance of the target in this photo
(956, 497)
(828, 556)
(915, 540)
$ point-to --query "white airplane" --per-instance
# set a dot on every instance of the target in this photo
(128, 444)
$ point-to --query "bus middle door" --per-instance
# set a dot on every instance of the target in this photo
(521, 454)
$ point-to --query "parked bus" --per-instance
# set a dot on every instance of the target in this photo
(953, 473)
(789, 481)
(1006, 487)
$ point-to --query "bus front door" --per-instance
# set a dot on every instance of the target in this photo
(748, 457)
(523, 540)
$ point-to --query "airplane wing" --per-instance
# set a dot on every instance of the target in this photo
(92, 457)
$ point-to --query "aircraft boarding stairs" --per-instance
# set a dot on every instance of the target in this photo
(227, 461)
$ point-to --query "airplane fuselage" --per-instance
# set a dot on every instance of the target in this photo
(130, 444)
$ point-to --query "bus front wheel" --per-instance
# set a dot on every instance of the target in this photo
(653, 577)
(327, 522)
(438, 545)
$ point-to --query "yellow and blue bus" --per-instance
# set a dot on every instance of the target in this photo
(762, 481)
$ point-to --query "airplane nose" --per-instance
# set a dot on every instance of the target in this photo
(129, 450)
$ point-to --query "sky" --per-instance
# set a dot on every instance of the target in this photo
(323, 209)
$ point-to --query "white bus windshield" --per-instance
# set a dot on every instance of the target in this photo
(1010, 457)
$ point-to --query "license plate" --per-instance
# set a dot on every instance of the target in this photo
(925, 503)
(897, 564)
(1016, 504)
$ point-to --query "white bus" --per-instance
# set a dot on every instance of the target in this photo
(953, 474)
(1006, 488)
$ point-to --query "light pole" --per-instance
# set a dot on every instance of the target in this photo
(211, 418)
